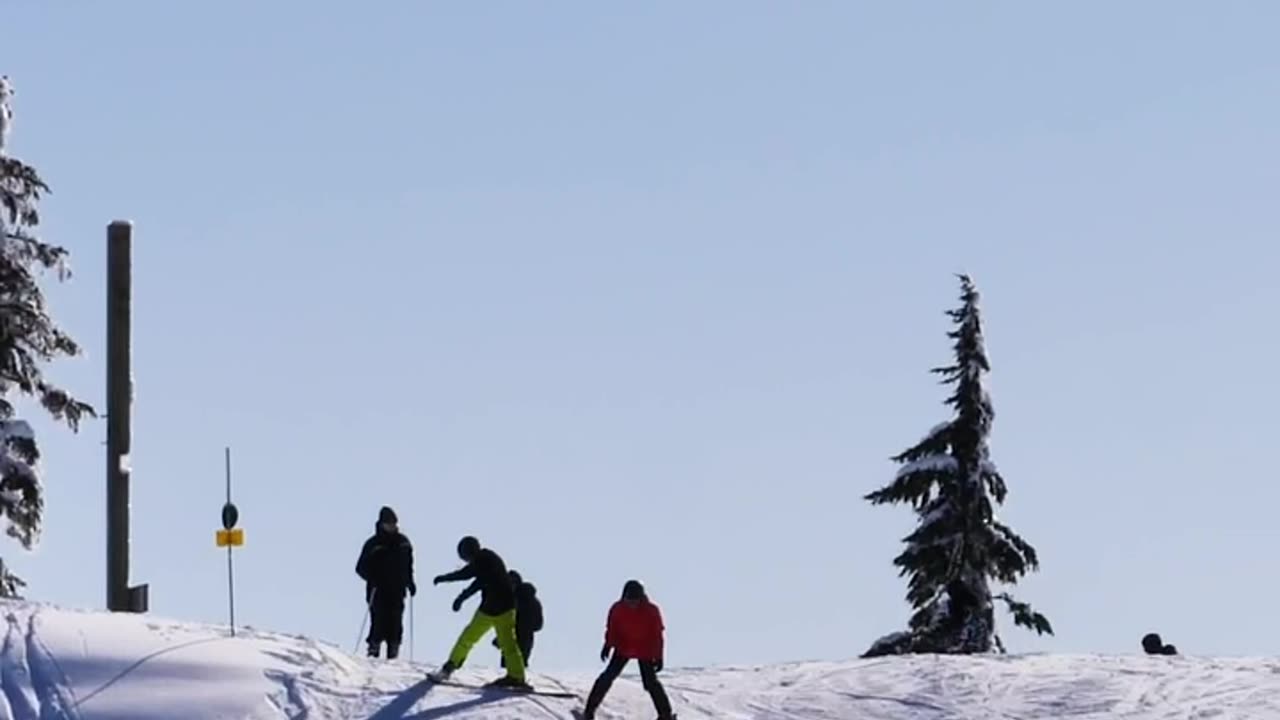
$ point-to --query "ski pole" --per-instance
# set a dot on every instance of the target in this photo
(410, 628)
(368, 608)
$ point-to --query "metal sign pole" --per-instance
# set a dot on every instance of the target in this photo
(230, 537)
(231, 580)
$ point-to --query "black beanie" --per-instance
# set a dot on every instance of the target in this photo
(1152, 643)
(387, 515)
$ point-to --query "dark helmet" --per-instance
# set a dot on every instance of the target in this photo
(1152, 644)
(468, 547)
(387, 515)
(633, 590)
(516, 579)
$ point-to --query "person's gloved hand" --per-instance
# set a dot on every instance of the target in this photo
(604, 653)
(413, 588)
(437, 580)
(657, 665)
(457, 603)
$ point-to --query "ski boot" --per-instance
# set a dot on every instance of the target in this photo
(509, 683)
(393, 651)
(373, 649)
(444, 673)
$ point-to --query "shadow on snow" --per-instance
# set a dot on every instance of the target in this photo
(404, 702)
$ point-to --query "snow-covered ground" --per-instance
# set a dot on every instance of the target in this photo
(59, 664)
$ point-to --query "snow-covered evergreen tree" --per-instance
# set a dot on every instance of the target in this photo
(28, 338)
(958, 547)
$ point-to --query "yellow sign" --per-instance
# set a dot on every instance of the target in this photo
(232, 538)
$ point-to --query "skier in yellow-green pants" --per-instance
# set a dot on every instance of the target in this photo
(497, 611)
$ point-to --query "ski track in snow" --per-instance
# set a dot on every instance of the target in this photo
(295, 706)
(20, 700)
(34, 687)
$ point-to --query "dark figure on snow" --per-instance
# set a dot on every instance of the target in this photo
(497, 611)
(634, 632)
(528, 616)
(1153, 645)
(386, 566)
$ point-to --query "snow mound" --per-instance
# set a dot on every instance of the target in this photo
(61, 664)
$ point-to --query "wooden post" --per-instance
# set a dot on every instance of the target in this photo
(120, 598)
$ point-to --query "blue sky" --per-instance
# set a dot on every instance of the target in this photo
(653, 291)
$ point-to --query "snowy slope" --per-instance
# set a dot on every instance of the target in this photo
(60, 664)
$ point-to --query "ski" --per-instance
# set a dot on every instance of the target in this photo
(507, 690)
(580, 714)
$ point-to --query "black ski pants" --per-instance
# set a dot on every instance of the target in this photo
(648, 677)
(386, 615)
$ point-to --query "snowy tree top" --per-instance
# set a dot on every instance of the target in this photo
(6, 110)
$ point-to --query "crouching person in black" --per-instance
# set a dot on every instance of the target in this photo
(386, 566)
(1153, 644)
(528, 615)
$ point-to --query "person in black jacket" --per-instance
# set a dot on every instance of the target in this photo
(488, 575)
(1153, 644)
(528, 615)
(386, 566)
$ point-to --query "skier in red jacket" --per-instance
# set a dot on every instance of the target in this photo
(634, 632)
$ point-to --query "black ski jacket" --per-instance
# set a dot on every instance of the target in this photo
(386, 563)
(489, 575)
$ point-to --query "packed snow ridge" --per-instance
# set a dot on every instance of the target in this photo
(61, 664)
